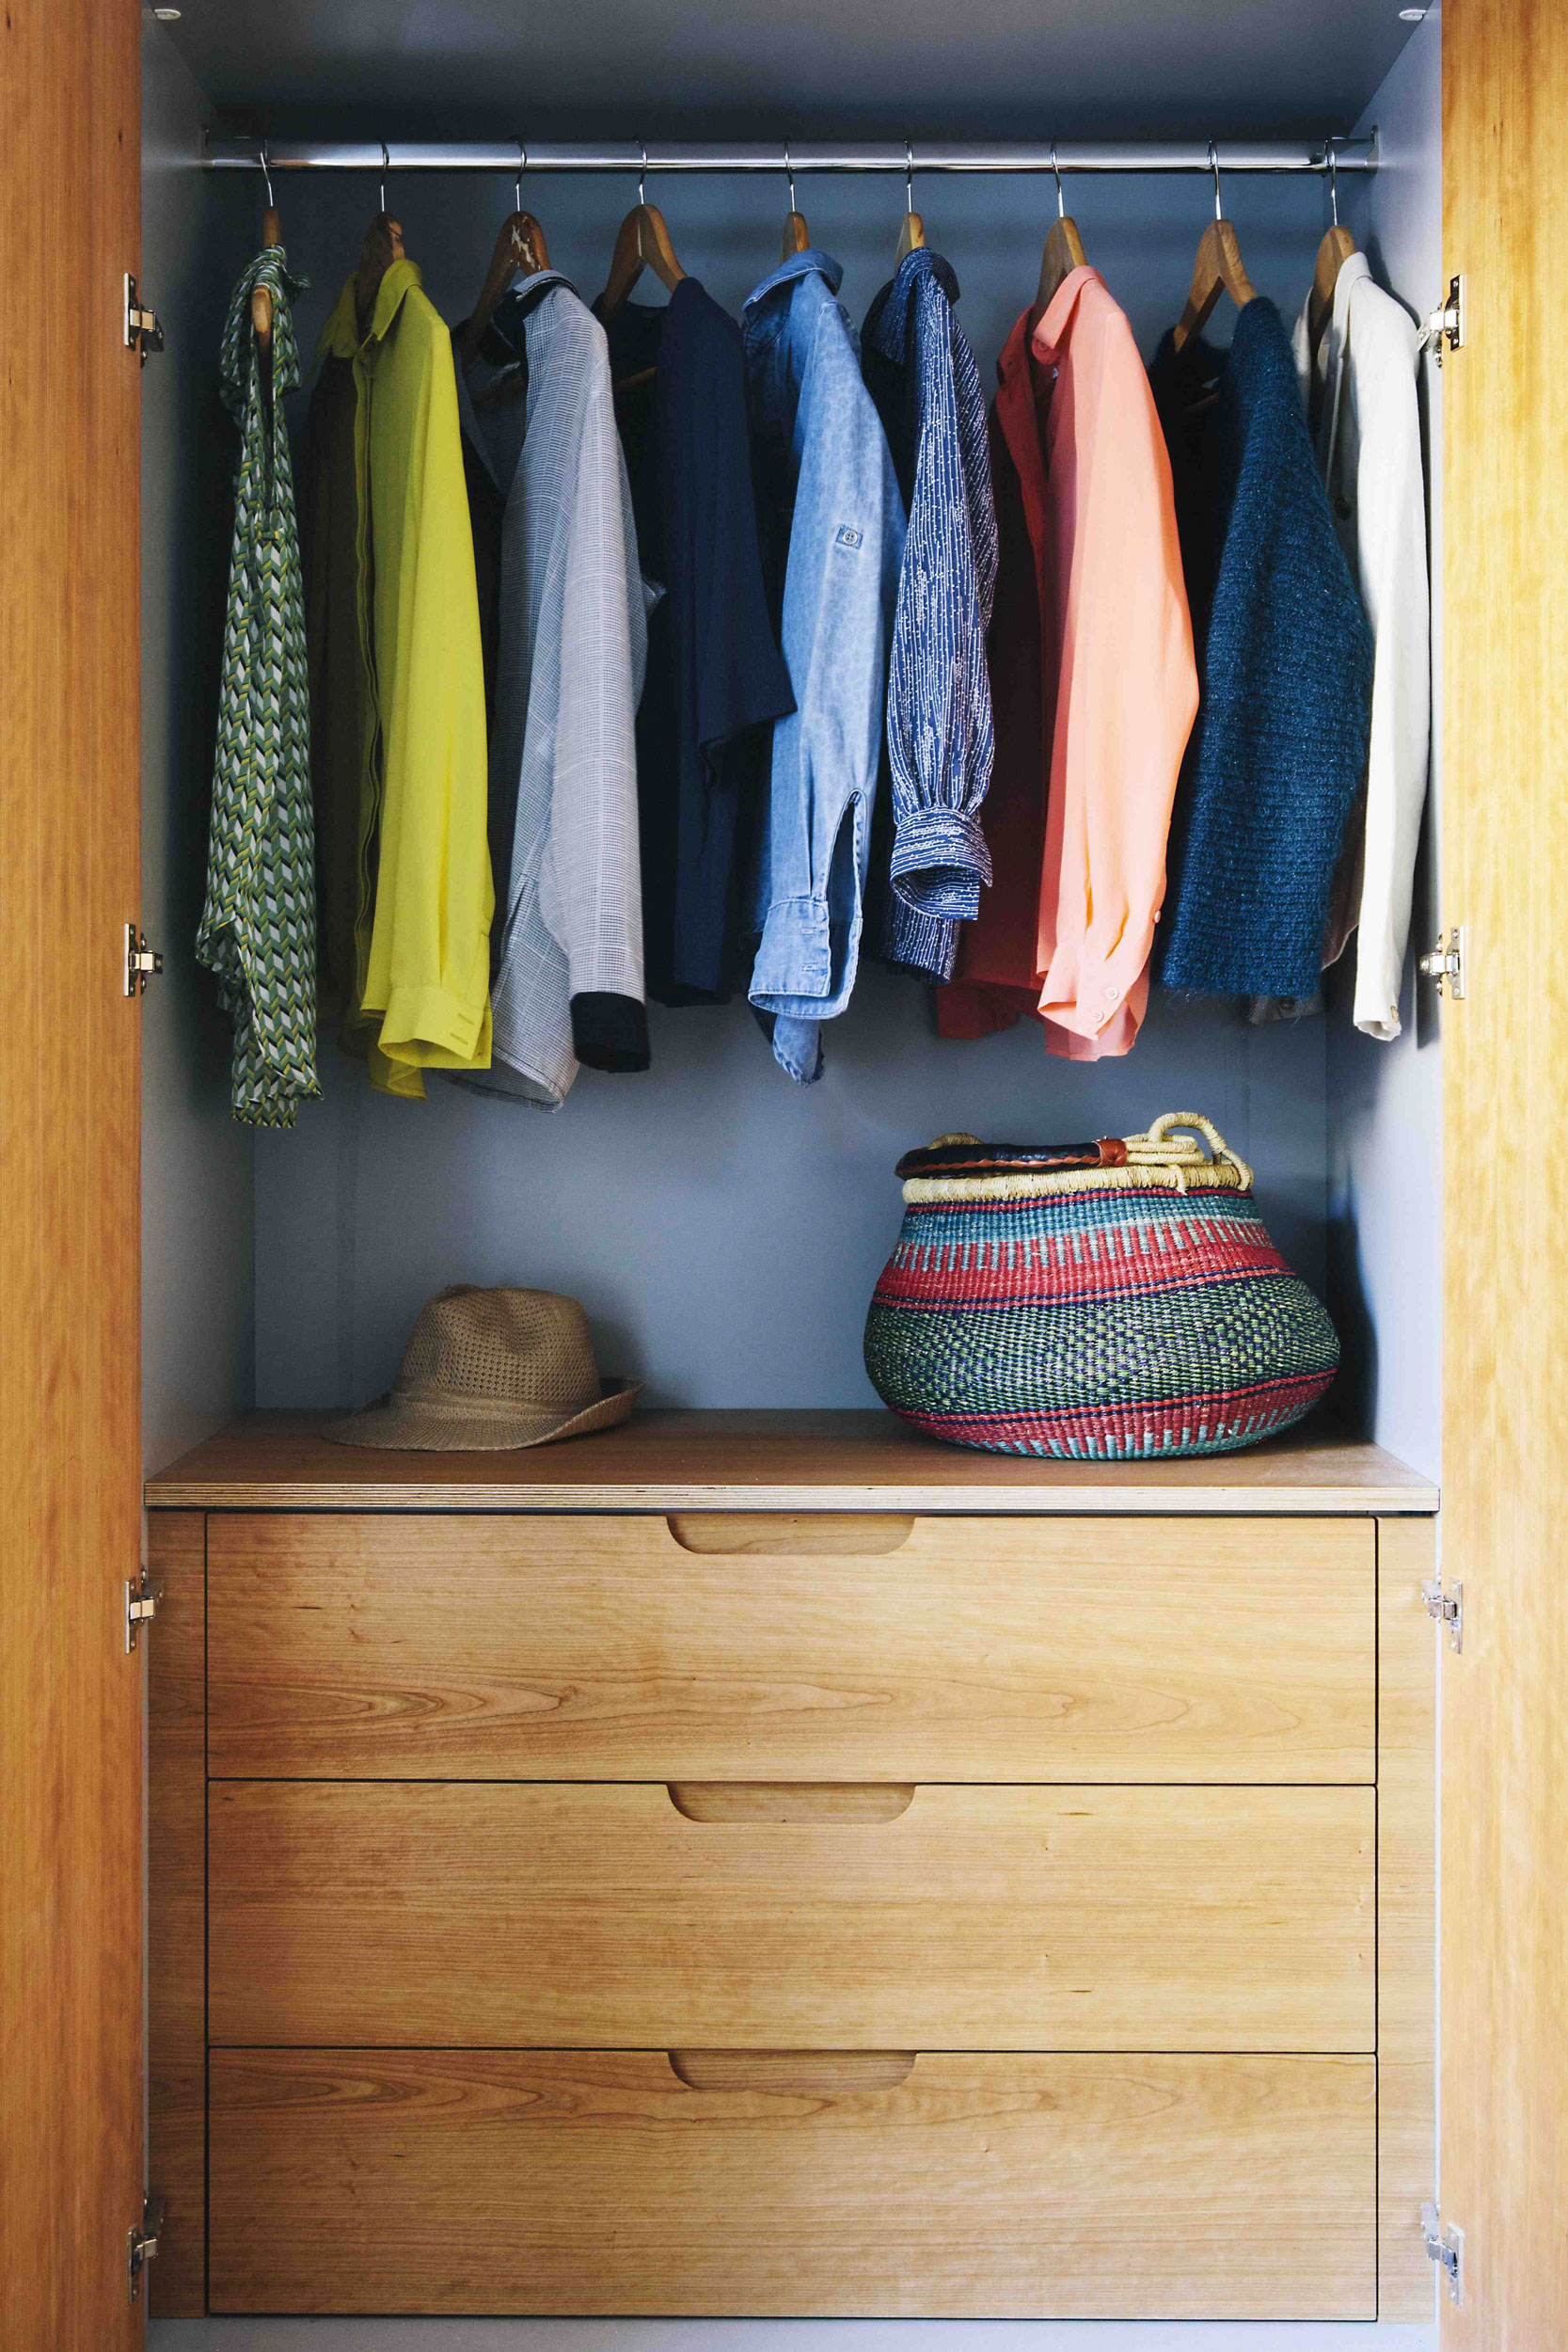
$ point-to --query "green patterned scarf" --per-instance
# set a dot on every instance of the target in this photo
(258, 925)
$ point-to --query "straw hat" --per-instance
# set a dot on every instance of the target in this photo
(485, 1370)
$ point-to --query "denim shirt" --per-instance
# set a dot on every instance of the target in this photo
(833, 526)
(922, 374)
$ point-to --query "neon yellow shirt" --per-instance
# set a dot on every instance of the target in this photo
(426, 898)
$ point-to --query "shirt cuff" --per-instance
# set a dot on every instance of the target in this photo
(609, 1032)
(794, 956)
(1085, 992)
(924, 945)
(940, 859)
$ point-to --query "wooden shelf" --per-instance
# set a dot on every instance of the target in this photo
(768, 1461)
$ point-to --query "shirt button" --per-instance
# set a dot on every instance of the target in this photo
(1111, 995)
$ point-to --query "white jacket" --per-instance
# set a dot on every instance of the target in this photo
(1368, 439)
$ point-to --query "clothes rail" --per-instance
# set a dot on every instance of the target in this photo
(631, 158)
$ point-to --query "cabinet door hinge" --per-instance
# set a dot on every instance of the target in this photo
(141, 1607)
(141, 2243)
(142, 331)
(142, 963)
(1446, 963)
(1445, 2248)
(1447, 325)
(1446, 1602)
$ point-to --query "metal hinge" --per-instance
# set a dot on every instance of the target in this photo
(1446, 962)
(141, 1607)
(1447, 1603)
(142, 2244)
(142, 331)
(1445, 2248)
(1447, 325)
(141, 961)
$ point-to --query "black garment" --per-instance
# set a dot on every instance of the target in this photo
(715, 677)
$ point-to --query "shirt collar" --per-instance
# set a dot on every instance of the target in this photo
(1051, 333)
(799, 266)
(340, 337)
(892, 308)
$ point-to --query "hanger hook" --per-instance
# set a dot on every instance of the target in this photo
(908, 177)
(266, 176)
(789, 175)
(522, 166)
(1214, 168)
(1332, 184)
(1061, 208)
(642, 173)
(385, 159)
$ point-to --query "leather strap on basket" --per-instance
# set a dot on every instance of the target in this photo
(966, 1155)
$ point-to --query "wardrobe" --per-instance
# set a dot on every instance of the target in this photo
(757, 1862)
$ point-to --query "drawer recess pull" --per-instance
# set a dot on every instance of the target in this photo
(794, 1535)
(791, 1800)
(841, 2071)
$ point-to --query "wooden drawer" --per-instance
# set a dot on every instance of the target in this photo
(945, 1916)
(407, 1647)
(941, 2187)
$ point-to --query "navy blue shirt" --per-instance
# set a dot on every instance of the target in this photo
(715, 677)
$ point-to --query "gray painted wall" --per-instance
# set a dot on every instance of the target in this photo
(198, 1226)
(1385, 1102)
(723, 1228)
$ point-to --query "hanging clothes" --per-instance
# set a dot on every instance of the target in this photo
(258, 929)
(1362, 389)
(1095, 686)
(921, 373)
(571, 655)
(1285, 665)
(401, 793)
(717, 678)
(833, 526)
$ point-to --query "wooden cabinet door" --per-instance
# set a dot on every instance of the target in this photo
(70, 1939)
(1505, 1469)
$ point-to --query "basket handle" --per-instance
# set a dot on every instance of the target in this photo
(1162, 1128)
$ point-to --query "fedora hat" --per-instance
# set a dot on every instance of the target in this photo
(490, 1370)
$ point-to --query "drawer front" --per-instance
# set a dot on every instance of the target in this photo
(989, 2187)
(948, 1916)
(636, 1648)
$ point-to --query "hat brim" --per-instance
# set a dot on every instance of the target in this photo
(453, 1429)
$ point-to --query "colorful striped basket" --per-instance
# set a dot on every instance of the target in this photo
(1105, 1301)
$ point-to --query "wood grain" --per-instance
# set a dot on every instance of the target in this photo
(758, 1461)
(596, 1648)
(1505, 1049)
(988, 2188)
(70, 1941)
(177, 1910)
(595, 1913)
(1407, 1917)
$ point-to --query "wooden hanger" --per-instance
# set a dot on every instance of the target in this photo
(382, 246)
(1334, 251)
(272, 233)
(1064, 252)
(914, 231)
(1218, 269)
(797, 236)
(519, 247)
(642, 242)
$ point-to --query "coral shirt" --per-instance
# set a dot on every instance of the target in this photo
(1093, 683)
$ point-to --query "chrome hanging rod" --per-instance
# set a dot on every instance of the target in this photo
(1240, 155)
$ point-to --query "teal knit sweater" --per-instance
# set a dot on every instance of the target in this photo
(1285, 671)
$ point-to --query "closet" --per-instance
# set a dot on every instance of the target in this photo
(758, 1861)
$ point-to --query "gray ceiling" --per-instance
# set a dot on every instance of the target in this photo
(730, 69)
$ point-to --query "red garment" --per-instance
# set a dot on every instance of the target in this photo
(1093, 687)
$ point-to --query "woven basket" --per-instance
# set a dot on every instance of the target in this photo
(1104, 1311)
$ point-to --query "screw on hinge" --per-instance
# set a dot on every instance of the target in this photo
(1445, 2248)
(1447, 1603)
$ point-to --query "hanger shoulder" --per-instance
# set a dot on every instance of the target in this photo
(626, 268)
(797, 236)
(1333, 253)
(1218, 269)
(654, 244)
(261, 300)
(1064, 254)
(382, 246)
(519, 247)
(912, 235)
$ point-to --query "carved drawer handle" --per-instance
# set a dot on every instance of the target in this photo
(829, 2070)
(793, 1534)
(791, 1800)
